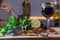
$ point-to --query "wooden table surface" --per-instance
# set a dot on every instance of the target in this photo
(50, 35)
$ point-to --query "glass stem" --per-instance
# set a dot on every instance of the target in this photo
(48, 26)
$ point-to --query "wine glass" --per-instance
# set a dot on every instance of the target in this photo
(47, 11)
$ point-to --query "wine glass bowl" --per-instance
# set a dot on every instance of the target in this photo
(47, 9)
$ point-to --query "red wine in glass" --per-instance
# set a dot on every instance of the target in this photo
(47, 11)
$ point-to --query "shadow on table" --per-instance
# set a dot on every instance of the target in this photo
(34, 39)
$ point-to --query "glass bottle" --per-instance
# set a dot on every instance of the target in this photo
(0, 3)
(56, 13)
(26, 8)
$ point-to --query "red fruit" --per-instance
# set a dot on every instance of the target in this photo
(40, 30)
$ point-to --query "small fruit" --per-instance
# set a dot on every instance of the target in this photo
(30, 33)
(35, 23)
(56, 33)
(40, 29)
(52, 30)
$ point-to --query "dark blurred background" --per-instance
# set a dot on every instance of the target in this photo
(35, 7)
